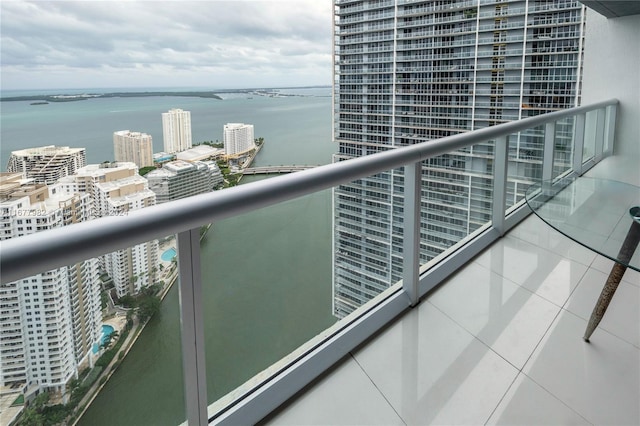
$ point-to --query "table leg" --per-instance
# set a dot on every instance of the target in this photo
(624, 256)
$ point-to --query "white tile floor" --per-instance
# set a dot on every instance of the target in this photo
(499, 343)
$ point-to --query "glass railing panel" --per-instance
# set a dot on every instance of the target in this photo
(65, 334)
(367, 239)
(563, 146)
(267, 290)
(457, 197)
(146, 381)
(590, 125)
(607, 143)
(526, 153)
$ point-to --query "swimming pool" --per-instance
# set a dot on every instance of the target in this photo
(106, 332)
(168, 255)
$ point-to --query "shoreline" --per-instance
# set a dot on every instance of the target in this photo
(208, 94)
(138, 328)
(249, 162)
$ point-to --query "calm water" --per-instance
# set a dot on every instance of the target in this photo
(297, 129)
(267, 274)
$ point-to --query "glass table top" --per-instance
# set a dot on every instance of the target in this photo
(596, 213)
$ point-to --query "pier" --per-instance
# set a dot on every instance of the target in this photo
(266, 170)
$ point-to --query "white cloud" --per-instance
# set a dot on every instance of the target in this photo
(172, 43)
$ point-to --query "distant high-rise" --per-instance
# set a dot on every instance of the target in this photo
(181, 179)
(176, 130)
(238, 138)
(413, 71)
(51, 320)
(47, 164)
(133, 147)
(116, 189)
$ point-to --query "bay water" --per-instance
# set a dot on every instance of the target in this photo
(266, 274)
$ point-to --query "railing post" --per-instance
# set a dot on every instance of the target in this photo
(610, 129)
(549, 148)
(411, 241)
(500, 163)
(192, 327)
(578, 143)
(600, 113)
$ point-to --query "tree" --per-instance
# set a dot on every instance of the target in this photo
(127, 301)
(147, 307)
(144, 170)
(32, 415)
(103, 299)
(129, 318)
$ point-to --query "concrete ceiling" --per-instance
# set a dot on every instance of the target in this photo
(614, 8)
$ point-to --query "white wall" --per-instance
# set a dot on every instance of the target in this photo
(612, 70)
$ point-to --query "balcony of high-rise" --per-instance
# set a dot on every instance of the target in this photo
(486, 322)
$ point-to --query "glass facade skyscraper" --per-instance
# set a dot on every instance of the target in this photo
(413, 71)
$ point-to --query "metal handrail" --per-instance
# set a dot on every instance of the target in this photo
(32, 254)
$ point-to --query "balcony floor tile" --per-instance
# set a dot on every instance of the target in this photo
(433, 371)
(535, 268)
(346, 396)
(527, 403)
(506, 317)
(618, 319)
(599, 380)
(535, 231)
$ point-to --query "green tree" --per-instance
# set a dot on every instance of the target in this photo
(127, 301)
(129, 319)
(144, 170)
(32, 415)
(147, 307)
(103, 299)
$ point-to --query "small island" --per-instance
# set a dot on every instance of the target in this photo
(45, 99)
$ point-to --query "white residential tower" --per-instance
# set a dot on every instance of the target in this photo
(413, 71)
(176, 130)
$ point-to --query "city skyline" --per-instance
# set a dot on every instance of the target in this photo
(73, 45)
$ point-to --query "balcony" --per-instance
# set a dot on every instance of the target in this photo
(466, 345)
(498, 343)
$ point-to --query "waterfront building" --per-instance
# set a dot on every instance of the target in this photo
(47, 164)
(49, 321)
(176, 130)
(134, 147)
(116, 189)
(409, 72)
(238, 139)
(181, 179)
(200, 153)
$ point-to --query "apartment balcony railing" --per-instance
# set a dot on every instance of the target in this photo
(593, 132)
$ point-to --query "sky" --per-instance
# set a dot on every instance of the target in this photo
(203, 44)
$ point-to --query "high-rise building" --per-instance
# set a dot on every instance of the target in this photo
(176, 130)
(47, 164)
(412, 71)
(51, 320)
(238, 139)
(116, 189)
(133, 147)
(180, 179)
